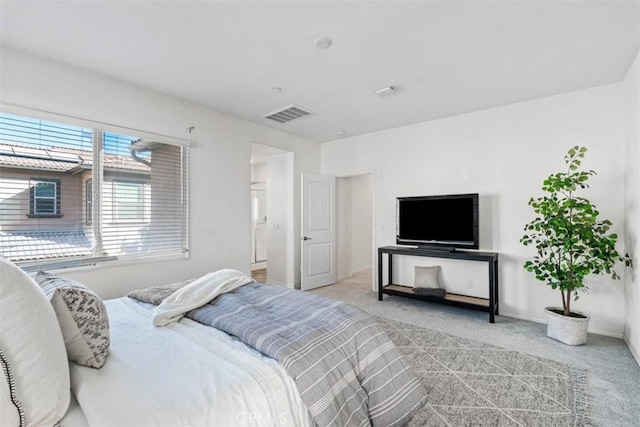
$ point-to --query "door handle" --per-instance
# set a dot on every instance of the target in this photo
(306, 238)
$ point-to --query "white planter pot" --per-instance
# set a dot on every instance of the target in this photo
(568, 330)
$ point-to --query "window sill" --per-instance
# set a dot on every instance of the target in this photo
(98, 265)
(44, 215)
(115, 223)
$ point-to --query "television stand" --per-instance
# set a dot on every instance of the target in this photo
(489, 305)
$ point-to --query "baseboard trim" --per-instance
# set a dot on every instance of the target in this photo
(605, 333)
(543, 321)
(278, 283)
(258, 265)
(363, 271)
(634, 352)
(521, 317)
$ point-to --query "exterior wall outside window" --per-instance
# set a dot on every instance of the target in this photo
(15, 201)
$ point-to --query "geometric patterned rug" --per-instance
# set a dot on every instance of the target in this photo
(470, 383)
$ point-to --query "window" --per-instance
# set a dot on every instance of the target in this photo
(128, 201)
(45, 197)
(121, 195)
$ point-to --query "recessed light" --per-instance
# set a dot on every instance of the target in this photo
(322, 43)
(277, 89)
(341, 132)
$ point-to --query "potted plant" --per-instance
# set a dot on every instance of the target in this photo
(571, 244)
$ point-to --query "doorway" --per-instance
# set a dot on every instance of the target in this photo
(355, 219)
(271, 184)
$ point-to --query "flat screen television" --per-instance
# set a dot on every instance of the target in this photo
(441, 222)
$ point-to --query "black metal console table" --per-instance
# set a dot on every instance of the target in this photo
(483, 304)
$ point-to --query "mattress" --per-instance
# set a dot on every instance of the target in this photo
(181, 374)
(74, 416)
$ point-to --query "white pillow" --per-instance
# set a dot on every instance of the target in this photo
(82, 316)
(33, 348)
(427, 277)
(12, 412)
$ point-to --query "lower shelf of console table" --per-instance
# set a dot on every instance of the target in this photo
(489, 305)
(454, 299)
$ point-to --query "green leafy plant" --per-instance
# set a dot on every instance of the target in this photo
(571, 242)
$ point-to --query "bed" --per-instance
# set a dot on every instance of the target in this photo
(254, 355)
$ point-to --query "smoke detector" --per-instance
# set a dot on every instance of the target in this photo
(386, 91)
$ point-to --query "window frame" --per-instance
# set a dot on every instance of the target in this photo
(93, 204)
(88, 201)
(33, 198)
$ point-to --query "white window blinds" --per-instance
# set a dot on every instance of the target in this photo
(70, 195)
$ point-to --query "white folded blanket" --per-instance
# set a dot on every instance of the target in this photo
(198, 293)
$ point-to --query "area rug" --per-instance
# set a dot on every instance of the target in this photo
(470, 383)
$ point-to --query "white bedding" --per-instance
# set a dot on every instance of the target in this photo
(74, 416)
(198, 293)
(182, 374)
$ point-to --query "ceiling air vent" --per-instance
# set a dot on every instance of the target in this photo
(287, 114)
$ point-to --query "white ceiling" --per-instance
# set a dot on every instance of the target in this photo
(444, 57)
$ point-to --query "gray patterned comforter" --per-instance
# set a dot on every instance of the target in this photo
(346, 369)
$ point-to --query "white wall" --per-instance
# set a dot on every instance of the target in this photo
(354, 248)
(280, 221)
(361, 220)
(219, 169)
(259, 175)
(504, 154)
(343, 224)
(632, 211)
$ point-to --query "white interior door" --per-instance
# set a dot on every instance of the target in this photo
(318, 231)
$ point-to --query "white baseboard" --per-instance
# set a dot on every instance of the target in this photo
(363, 271)
(258, 265)
(605, 333)
(521, 317)
(634, 352)
(543, 321)
(278, 283)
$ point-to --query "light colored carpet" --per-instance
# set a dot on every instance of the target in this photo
(614, 375)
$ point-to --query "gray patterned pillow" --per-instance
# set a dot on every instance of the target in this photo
(427, 277)
(156, 294)
(82, 317)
